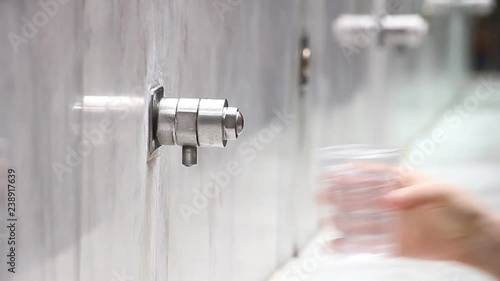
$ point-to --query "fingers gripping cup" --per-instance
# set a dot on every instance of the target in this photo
(355, 179)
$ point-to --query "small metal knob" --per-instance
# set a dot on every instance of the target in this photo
(233, 123)
(193, 123)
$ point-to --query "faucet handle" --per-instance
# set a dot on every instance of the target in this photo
(193, 123)
(387, 30)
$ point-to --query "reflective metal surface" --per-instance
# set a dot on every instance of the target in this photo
(195, 122)
(386, 30)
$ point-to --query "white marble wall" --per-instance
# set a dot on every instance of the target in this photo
(115, 214)
(39, 84)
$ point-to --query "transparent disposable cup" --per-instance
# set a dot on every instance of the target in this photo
(354, 180)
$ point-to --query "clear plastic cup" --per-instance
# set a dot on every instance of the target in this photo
(354, 182)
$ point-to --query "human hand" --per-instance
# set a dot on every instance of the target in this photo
(437, 220)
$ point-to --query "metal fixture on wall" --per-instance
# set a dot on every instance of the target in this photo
(386, 30)
(469, 7)
(192, 123)
(305, 58)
